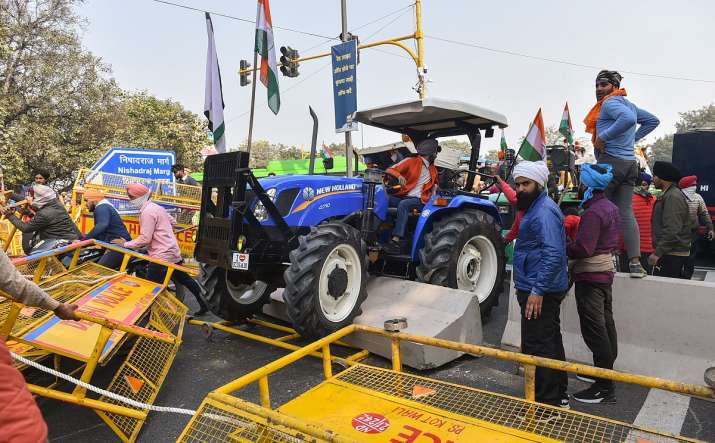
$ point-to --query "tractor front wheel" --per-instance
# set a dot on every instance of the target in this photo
(326, 279)
(465, 251)
(233, 295)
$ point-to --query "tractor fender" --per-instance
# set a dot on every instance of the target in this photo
(430, 212)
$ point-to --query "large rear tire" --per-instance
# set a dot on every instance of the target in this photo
(326, 280)
(231, 295)
(464, 250)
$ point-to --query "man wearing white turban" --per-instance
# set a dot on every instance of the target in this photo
(541, 277)
(535, 171)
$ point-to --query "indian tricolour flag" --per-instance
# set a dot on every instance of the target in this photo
(502, 142)
(325, 152)
(533, 147)
(213, 101)
(565, 127)
(266, 49)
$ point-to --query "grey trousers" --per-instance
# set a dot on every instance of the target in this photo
(620, 192)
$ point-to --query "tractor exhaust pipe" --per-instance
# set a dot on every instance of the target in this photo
(313, 141)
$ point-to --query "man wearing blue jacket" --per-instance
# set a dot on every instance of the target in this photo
(108, 226)
(616, 125)
(541, 277)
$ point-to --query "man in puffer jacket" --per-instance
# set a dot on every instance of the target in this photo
(51, 220)
(541, 277)
(699, 216)
(643, 203)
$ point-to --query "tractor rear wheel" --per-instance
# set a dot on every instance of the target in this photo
(231, 295)
(464, 250)
(326, 280)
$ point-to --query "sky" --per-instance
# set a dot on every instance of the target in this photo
(162, 49)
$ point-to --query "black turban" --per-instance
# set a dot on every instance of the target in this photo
(666, 171)
(611, 77)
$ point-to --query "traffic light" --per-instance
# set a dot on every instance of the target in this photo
(244, 72)
(289, 65)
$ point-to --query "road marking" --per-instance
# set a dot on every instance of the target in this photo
(664, 411)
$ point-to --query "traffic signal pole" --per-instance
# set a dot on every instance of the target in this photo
(417, 58)
(348, 135)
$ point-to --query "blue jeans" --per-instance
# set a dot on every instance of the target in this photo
(404, 206)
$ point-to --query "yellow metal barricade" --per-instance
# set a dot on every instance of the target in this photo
(365, 403)
(113, 307)
(115, 186)
(183, 202)
(10, 238)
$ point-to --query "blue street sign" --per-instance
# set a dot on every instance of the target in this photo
(152, 164)
(145, 163)
(344, 57)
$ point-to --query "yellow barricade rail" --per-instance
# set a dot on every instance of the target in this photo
(158, 338)
(185, 198)
(115, 186)
(320, 413)
(10, 238)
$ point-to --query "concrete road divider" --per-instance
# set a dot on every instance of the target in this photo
(431, 311)
(666, 327)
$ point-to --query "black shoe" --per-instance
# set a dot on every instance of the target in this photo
(595, 394)
(200, 312)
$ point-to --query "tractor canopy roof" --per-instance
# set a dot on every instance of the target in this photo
(431, 117)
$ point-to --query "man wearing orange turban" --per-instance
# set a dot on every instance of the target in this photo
(108, 226)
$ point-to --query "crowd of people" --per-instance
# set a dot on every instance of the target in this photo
(655, 234)
(619, 214)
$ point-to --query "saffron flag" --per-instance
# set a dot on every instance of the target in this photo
(265, 47)
(565, 127)
(213, 101)
(533, 148)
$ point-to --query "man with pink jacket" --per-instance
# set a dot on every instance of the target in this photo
(157, 235)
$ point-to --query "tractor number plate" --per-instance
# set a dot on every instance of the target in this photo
(240, 261)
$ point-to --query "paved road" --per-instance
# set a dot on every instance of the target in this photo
(204, 365)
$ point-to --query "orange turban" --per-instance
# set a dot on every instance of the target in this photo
(93, 195)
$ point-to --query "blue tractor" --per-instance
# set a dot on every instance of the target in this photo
(319, 237)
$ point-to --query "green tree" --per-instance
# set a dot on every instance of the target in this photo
(59, 107)
(144, 121)
(662, 148)
(452, 143)
(57, 102)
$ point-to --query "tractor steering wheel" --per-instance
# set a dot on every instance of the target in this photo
(488, 180)
(391, 183)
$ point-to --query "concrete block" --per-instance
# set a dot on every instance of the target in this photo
(431, 311)
(665, 327)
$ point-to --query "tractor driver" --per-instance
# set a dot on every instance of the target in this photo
(417, 178)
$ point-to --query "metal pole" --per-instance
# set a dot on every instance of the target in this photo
(253, 103)
(348, 135)
(420, 49)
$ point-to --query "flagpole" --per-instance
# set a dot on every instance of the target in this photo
(511, 166)
(253, 102)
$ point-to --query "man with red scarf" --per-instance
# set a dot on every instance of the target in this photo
(615, 125)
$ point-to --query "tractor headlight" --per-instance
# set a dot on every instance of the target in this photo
(260, 211)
